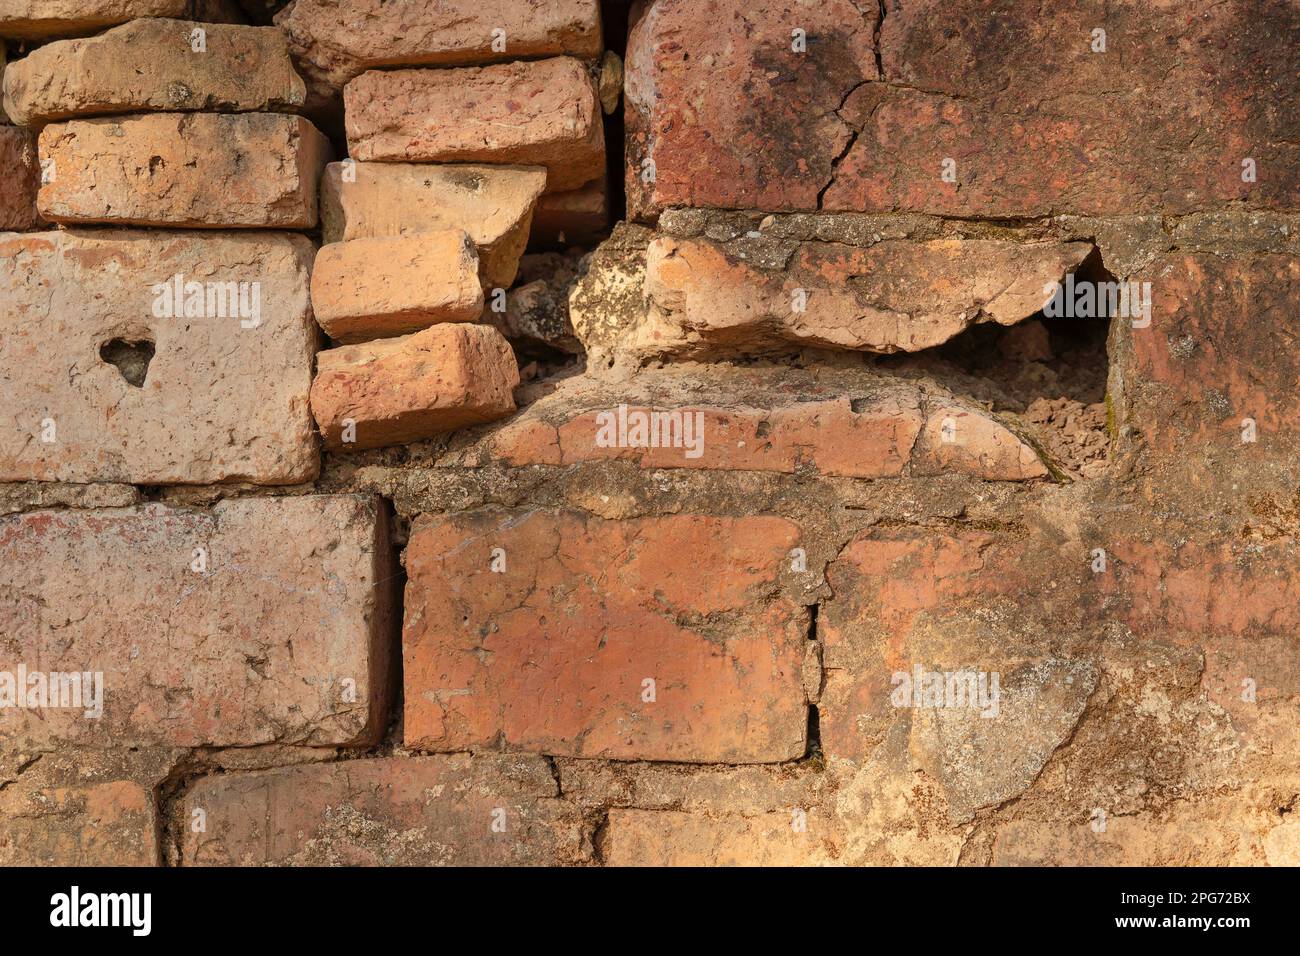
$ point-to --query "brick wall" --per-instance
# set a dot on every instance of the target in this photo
(677, 432)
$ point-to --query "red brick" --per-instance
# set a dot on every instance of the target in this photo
(550, 655)
(372, 288)
(834, 423)
(404, 389)
(112, 823)
(398, 811)
(243, 68)
(1220, 349)
(256, 646)
(702, 103)
(43, 19)
(542, 113)
(184, 169)
(334, 42)
(945, 602)
(1064, 131)
(890, 297)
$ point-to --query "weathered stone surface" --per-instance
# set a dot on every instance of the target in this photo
(608, 301)
(493, 204)
(945, 604)
(184, 169)
(552, 652)
(151, 65)
(533, 113)
(393, 811)
(21, 179)
(280, 635)
(105, 381)
(707, 124)
(673, 838)
(536, 315)
(372, 288)
(43, 19)
(577, 217)
(833, 422)
(400, 390)
(890, 297)
(334, 42)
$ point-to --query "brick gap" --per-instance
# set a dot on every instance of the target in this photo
(1046, 375)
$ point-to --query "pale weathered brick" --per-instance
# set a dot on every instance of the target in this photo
(371, 288)
(493, 204)
(151, 65)
(540, 630)
(264, 620)
(673, 838)
(453, 810)
(399, 390)
(43, 19)
(334, 42)
(542, 113)
(184, 169)
(224, 395)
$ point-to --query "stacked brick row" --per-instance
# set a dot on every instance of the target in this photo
(451, 148)
(161, 336)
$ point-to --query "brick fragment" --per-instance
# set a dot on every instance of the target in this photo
(184, 169)
(405, 389)
(889, 297)
(534, 113)
(561, 649)
(108, 378)
(393, 811)
(332, 43)
(264, 620)
(492, 204)
(373, 288)
(151, 65)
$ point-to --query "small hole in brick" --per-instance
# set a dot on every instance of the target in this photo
(131, 358)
